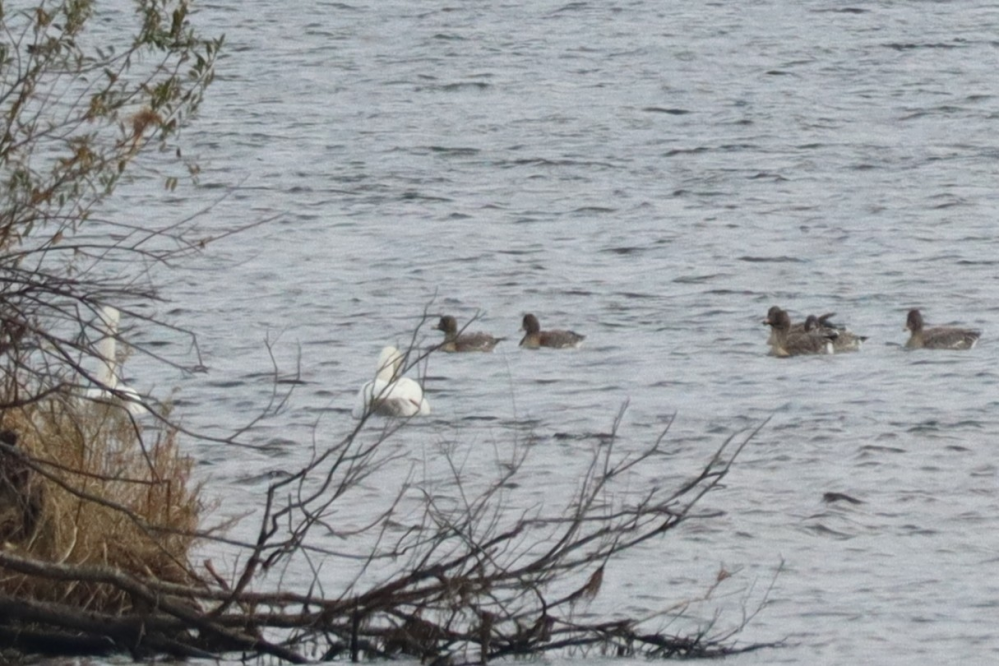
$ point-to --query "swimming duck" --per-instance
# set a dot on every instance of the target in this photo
(796, 343)
(844, 340)
(389, 394)
(475, 341)
(558, 339)
(821, 320)
(937, 338)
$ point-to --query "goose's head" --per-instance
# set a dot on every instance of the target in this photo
(914, 322)
(531, 324)
(778, 320)
(448, 324)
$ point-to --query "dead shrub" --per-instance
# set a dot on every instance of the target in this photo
(109, 496)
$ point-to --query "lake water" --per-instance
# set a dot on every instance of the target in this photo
(655, 176)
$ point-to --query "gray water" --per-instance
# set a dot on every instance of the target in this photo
(655, 176)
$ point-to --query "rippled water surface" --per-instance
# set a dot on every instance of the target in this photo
(655, 176)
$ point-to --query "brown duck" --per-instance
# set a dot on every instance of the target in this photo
(475, 341)
(941, 337)
(557, 339)
(821, 321)
(844, 340)
(786, 342)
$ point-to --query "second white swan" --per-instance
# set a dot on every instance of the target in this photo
(110, 388)
(389, 394)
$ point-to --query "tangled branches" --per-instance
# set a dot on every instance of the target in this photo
(99, 519)
(444, 571)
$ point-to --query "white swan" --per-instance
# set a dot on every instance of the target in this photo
(109, 387)
(388, 394)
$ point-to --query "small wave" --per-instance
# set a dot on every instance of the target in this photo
(668, 111)
(841, 10)
(908, 46)
(686, 151)
(582, 436)
(460, 86)
(634, 295)
(571, 7)
(776, 260)
(624, 250)
(411, 195)
(266, 477)
(696, 279)
(874, 448)
(445, 150)
(822, 530)
(763, 175)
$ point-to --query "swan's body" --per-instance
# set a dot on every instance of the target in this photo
(388, 394)
(110, 388)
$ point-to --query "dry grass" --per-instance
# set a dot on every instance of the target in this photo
(108, 498)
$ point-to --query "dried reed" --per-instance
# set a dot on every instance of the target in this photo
(108, 498)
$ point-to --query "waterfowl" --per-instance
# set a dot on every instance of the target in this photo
(937, 338)
(844, 340)
(557, 339)
(821, 321)
(109, 388)
(390, 394)
(788, 343)
(475, 341)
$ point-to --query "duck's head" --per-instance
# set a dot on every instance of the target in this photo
(778, 319)
(448, 324)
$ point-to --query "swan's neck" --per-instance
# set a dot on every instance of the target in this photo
(389, 364)
(107, 369)
(386, 372)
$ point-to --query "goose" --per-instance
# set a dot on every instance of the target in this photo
(557, 339)
(794, 343)
(844, 339)
(110, 388)
(389, 394)
(939, 337)
(800, 327)
(476, 341)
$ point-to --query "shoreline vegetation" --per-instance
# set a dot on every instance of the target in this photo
(103, 566)
(99, 516)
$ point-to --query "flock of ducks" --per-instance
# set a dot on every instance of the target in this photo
(818, 335)
(391, 394)
(534, 337)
